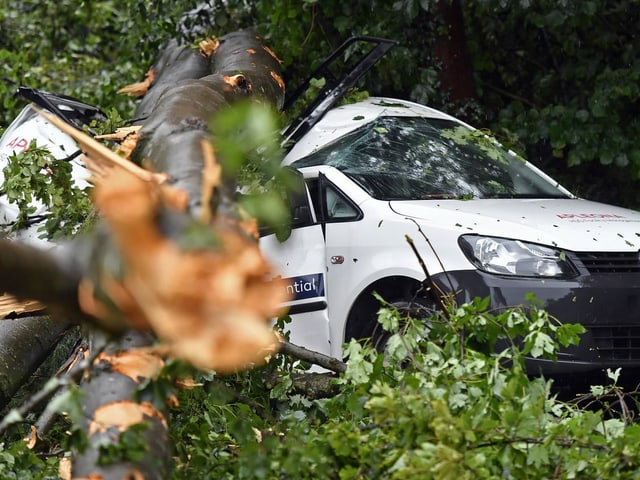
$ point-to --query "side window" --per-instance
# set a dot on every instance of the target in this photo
(300, 211)
(329, 203)
(338, 207)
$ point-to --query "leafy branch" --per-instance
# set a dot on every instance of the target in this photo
(43, 190)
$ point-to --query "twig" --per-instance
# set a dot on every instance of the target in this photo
(317, 358)
(70, 370)
(432, 287)
(99, 152)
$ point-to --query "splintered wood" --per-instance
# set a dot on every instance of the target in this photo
(99, 154)
(99, 159)
(121, 415)
(208, 46)
(11, 307)
(210, 306)
(140, 88)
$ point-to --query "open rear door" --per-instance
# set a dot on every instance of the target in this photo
(335, 86)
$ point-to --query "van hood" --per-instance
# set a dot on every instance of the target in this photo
(571, 224)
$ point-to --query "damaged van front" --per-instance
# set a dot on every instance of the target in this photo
(486, 223)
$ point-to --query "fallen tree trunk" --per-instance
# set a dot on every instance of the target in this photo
(175, 127)
(171, 141)
(175, 63)
(209, 305)
(127, 431)
(24, 344)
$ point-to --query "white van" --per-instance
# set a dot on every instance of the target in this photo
(485, 222)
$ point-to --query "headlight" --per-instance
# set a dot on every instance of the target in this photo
(513, 257)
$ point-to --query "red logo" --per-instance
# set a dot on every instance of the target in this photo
(588, 215)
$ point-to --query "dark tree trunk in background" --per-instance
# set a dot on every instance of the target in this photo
(456, 76)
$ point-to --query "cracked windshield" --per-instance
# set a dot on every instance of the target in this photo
(406, 158)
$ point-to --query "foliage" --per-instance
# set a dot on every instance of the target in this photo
(426, 409)
(559, 79)
(440, 402)
(562, 77)
(556, 79)
(34, 177)
(66, 47)
(246, 139)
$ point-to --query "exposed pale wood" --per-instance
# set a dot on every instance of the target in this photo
(11, 307)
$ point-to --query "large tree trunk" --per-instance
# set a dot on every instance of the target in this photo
(132, 276)
(171, 141)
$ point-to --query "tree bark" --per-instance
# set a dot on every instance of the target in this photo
(170, 141)
(456, 76)
(112, 407)
(172, 133)
(24, 344)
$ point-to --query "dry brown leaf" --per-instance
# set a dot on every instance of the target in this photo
(208, 46)
(140, 88)
(122, 414)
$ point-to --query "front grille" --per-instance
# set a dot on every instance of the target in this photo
(610, 262)
(617, 342)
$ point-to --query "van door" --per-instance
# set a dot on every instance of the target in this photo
(300, 259)
(341, 219)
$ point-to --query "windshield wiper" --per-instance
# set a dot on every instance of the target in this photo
(440, 196)
(520, 196)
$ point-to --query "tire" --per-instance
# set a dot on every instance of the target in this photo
(417, 308)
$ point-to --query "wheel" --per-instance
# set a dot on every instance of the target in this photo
(417, 308)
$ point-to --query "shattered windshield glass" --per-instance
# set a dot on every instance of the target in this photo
(404, 158)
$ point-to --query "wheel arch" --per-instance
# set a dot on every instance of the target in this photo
(365, 306)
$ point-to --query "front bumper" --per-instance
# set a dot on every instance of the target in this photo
(607, 305)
